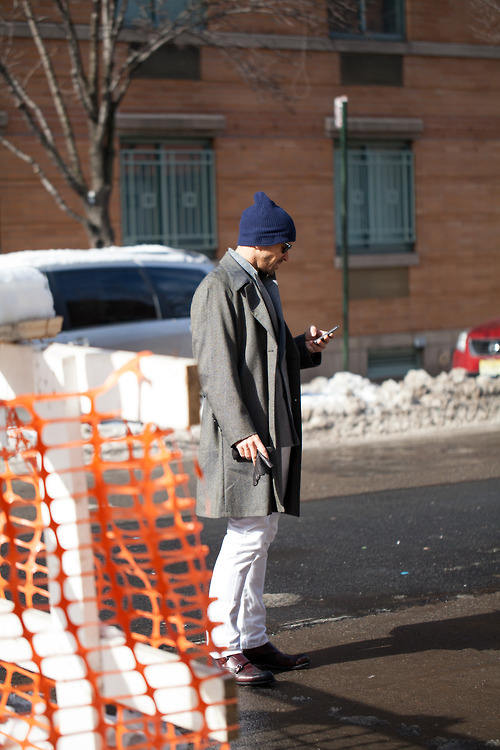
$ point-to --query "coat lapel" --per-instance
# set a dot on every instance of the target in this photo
(240, 278)
(260, 311)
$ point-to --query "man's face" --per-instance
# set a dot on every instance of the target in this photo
(269, 257)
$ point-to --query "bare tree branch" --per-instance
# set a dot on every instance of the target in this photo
(24, 102)
(100, 82)
(80, 82)
(95, 18)
(55, 91)
(251, 71)
(138, 55)
(119, 19)
(48, 185)
(36, 120)
(212, 12)
(107, 45)
(109, 38)
(30, 74)
(487, 4)
(486, 19)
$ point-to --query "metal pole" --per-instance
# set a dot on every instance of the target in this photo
(345, 240)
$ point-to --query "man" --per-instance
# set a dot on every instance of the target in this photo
(249, 367)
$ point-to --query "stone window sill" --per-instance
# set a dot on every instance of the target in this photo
(379, 260)
(378, 127)
(167, 124)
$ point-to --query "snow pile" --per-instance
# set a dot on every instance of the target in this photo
(349, 405)
(25, 295)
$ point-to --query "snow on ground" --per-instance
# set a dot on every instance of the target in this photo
(348, 406)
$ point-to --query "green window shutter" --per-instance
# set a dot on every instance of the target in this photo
(380, 199)
(168, 196)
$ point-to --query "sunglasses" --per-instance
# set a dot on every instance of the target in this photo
(285, 247)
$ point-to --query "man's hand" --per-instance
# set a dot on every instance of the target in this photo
(248, 447)
(313, 332)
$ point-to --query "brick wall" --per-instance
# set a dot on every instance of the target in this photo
(443, 21)
(282, 148)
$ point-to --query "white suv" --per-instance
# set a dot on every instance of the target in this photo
(134, 298)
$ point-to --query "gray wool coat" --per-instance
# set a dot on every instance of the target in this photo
(236, 348)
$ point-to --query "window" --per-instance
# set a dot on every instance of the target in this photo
(154, 11)
(371, 19)
(362, 69)
(101, 296)
(393, 362)
(168, 195)
(380, 198)
(171, 61)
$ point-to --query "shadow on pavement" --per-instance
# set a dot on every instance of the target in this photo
(317, 719)
(315, 710)
(481, 632)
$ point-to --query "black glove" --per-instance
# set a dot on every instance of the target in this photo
(261, 466)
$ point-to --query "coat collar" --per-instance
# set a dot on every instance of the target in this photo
(238, 278)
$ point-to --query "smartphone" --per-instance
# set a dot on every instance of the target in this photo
(325, 335)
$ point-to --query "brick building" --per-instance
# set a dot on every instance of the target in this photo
(194, 143)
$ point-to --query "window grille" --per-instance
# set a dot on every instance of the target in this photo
(380, 199)
(375, 19)
(393, 362)
(168, 196)
(154, 11)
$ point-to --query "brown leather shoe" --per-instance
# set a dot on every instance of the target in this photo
(245, 673)
(269, 657)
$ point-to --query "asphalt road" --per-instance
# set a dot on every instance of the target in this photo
(385, 525)
(408, 539)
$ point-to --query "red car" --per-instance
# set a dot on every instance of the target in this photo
(478, 349)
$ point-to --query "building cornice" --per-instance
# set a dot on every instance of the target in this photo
(373, 46)
(288, 42)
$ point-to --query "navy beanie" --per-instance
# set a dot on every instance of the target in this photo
(265, 223)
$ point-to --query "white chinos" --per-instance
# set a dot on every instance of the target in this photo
(238, 584)
(238, 580)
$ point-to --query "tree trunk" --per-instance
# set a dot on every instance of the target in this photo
(102, 154)
(99, 228)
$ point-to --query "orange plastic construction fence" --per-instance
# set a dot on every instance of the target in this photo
(103, 584)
